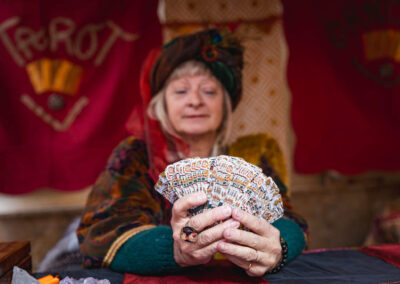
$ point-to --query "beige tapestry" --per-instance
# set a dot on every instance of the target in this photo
(265, 103)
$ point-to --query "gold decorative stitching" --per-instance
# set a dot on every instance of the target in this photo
(117, 244)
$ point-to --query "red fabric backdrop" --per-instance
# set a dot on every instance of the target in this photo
(69, 77)
(344, 76)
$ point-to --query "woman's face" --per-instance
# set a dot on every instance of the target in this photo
(194, 105)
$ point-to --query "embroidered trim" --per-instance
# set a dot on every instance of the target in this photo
(117, 244)
(46, 117)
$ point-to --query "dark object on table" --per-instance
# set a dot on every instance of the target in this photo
(14, 254)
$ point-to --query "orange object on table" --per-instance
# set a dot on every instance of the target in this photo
(49, 279)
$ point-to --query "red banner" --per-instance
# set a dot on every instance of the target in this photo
(69, 77)
(344, 75)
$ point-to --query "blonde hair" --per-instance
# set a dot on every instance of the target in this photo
(157, 109)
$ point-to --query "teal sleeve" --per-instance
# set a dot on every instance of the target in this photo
(151, 252)
(293, 236)
(147, 253)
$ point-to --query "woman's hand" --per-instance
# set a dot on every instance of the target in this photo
(256, 252)
(201, 251)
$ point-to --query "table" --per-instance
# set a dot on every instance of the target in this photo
(346, 265)
(337, 266)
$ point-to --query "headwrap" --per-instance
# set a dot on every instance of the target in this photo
(219, 50)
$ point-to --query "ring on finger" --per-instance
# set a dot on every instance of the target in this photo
(189, 234)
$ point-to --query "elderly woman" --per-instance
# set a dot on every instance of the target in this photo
(190, 90)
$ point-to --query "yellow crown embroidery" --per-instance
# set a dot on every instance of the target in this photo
(382, 44)
(54, 75)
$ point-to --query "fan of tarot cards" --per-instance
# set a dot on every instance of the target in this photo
(225, 180)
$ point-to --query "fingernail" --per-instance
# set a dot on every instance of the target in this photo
(229, 233)
(234, 224)
(238, 213)
(227, 210)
